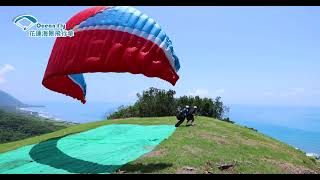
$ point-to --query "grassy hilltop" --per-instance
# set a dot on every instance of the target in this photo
(212, 146)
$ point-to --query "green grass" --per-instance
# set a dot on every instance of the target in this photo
(16, 126)
(202, 148)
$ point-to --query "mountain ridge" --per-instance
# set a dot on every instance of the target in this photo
(7, 100)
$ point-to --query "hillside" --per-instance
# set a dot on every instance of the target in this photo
(17, 126)
(212, 146)
(9, 101)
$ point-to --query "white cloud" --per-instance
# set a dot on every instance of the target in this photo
(4, 70)
(199, 92)
(205, 92)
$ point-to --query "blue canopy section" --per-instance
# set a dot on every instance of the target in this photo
(129, 17)
(79, 79)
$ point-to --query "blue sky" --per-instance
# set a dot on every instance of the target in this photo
(246, 55)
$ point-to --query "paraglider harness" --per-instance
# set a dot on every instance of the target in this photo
(185, 113)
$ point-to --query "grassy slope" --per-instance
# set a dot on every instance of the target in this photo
(15, 126)
(202, 147)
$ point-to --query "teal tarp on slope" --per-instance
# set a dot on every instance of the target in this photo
(101, 150)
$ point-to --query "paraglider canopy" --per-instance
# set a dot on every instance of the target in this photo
(109, 39)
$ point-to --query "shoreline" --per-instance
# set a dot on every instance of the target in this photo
(24, 110)
(314, 155)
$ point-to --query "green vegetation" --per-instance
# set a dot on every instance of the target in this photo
(15, 127)
(158, 103)
(203, 148)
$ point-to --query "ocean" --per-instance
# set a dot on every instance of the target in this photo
(296, 126)
(74, 112)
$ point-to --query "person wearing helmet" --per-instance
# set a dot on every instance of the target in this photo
(187, 110)
(190, 116)
(181, 114)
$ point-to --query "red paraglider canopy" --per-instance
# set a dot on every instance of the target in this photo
(109, 39)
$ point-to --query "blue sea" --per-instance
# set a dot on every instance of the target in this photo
(74, 112)
(296, 126)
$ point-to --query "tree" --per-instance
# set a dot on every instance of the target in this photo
(219, 108)
(156, 103)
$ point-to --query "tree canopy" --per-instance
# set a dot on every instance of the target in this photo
(158, 102)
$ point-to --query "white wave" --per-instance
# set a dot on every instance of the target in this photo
(315, 155)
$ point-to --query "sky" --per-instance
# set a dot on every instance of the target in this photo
(246, 55)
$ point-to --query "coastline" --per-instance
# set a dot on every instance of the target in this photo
(313, 155)
(25, 110)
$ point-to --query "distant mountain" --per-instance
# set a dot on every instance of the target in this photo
(6, 100)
